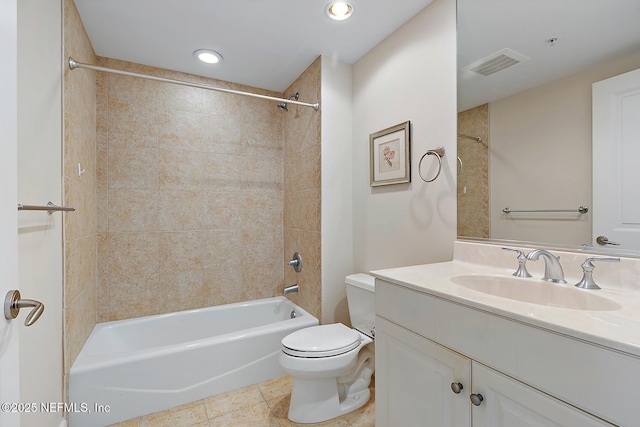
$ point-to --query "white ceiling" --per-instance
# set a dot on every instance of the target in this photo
(588, 32)
(264, 43)
(269, 43)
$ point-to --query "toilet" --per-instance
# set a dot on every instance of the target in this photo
(332, 364)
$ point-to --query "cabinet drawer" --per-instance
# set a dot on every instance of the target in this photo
(590, 377)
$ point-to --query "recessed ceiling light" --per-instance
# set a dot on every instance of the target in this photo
(339, 10)
(208, 56)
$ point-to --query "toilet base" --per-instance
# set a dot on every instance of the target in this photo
(321, 399)
(315, 401)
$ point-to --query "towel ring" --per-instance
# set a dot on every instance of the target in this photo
(459, 166)
(439, 153)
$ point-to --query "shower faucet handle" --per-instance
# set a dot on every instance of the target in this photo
(296, 262)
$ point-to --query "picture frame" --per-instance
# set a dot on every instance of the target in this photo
(390, 152)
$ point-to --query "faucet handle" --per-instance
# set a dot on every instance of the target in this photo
(296, 262)
(522, 263)
(587, 281)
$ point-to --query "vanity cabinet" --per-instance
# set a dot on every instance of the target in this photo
(413, 380)
(526, 376)
(421, 383)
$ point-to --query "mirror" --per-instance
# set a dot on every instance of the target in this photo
(525, 72)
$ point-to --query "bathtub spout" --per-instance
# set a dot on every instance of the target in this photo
(292, 288)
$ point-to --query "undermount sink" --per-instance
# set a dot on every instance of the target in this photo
(541, 293)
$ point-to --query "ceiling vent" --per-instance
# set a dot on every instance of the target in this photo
(495, 62)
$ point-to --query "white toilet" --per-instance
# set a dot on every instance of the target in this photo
(331, 365)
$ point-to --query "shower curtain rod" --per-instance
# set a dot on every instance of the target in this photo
(73, 64)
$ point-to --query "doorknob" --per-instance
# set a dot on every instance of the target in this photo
(602, 241)
(13, 303)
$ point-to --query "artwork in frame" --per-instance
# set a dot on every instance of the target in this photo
(390, 155)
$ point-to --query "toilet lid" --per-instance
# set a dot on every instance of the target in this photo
(321, 341)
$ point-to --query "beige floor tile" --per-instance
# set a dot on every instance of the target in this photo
(280, 405)
(128, 423)
(276, 388)
(182, 416)
(258, 415)
(233, 401)
(261, 405)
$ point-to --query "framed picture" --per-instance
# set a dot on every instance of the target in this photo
(390, 155)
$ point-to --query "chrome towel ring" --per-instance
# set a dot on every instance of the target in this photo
(439, 153)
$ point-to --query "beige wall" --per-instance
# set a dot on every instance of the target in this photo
(473, 179)
(540, 157)
(411, 75)
(190, 188)
(80, 227)
(301, 129)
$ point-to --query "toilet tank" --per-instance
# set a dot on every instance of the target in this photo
(361, 301)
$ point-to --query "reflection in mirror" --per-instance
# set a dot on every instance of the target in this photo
(525, 75)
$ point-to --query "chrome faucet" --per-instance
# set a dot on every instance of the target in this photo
(552, 268)
(292, 288)
(522, 263)
(587, 281)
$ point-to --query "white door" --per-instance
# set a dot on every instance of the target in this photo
(9, 368)
(616, 150)
(39, 153)
(30, 358)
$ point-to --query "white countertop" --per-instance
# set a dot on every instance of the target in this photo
(617, 329)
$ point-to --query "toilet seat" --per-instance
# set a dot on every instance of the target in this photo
(321, 341)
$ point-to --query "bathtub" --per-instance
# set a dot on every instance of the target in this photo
(134, 367)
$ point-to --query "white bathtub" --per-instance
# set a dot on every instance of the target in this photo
(134, 367)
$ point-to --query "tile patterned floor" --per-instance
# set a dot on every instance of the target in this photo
(261, 405)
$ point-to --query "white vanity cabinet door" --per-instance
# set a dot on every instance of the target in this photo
(510, 403)
(413, 380)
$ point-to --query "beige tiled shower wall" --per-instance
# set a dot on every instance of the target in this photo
(190, 194)
(80, 227)
(473, 182)
(302, 190)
